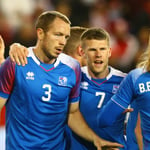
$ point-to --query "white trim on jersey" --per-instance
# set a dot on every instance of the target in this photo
(112, 72)
(68, 60)
(115, 72)
(31, 54)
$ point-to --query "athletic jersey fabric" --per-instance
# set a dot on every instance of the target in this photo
(38, 95)
(135, 87)
(94, 94)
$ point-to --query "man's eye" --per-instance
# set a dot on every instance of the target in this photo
(58, 35)
(92, 49)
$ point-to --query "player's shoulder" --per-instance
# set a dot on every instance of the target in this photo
(68, 60)
(7, 62)
(136, 73)
(116, 72)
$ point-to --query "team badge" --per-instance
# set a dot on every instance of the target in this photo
(115, 88)
(62, 81)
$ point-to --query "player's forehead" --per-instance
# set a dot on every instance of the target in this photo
(59, 25)
(94, 43)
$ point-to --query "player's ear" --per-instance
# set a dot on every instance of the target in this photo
(40, 33)
(110, 50)
(80, 51)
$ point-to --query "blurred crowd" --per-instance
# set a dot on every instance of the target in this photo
(127, 21)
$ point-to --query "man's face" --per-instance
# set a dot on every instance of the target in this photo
(97, 53)
(54, 40)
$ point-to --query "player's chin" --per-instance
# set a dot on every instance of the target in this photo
(58, 53)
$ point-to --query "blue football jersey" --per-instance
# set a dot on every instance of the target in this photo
(37, 101)
(135, 87)
(94, 94)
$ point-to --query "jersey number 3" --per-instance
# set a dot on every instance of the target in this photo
(47, 95)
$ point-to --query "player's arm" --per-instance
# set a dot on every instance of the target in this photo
(138, 133)
(77, 123)
(7, 75)
(2, 103)
(18, 54)
(109, 114)
(118, 104)
(2, 49)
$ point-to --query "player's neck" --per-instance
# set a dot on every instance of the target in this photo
(99, 75)
(42, 57)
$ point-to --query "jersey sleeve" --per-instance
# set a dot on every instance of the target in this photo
(7, 75)
(118, 103)
(75, 92)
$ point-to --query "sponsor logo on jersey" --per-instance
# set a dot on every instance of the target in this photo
(30, 75)
(115, 88)
(62, 81)
(84, 85)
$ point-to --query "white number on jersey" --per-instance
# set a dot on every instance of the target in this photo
(102, 97)
(48, 90)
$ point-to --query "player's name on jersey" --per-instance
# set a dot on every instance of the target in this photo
(144, 87)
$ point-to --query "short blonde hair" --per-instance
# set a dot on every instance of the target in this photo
(144, 60)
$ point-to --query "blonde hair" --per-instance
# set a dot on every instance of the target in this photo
(144, 60)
